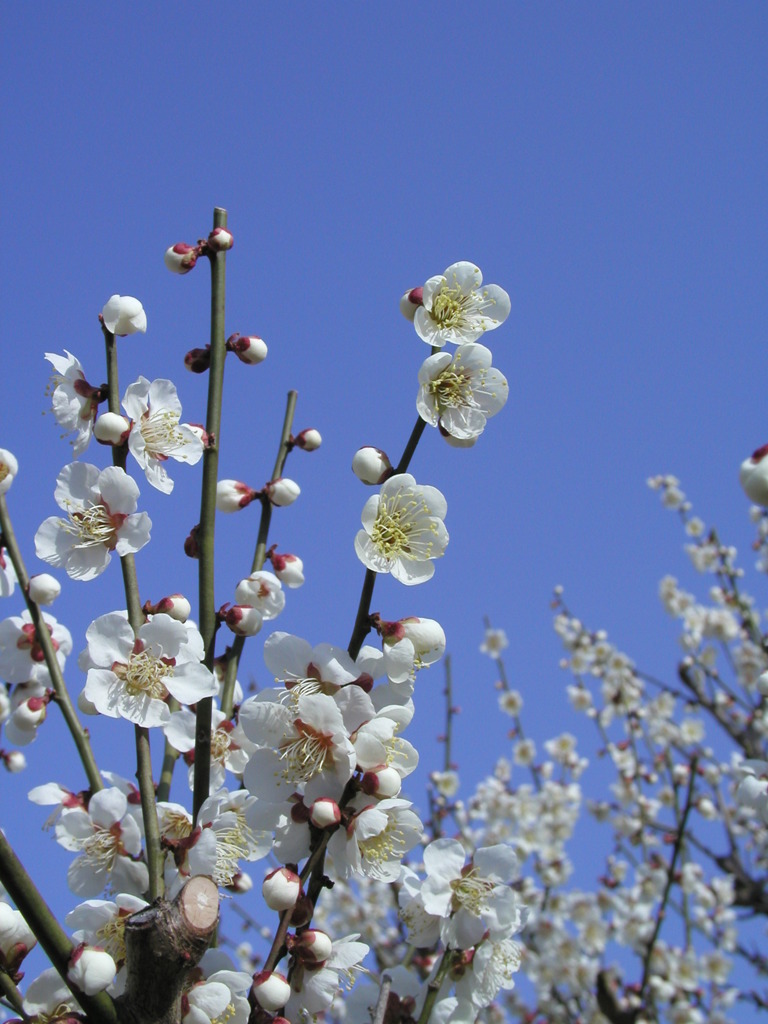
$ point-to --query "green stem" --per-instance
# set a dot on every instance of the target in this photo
(234, 653)
(11, 994)
(79, 734)
(433, 988)
(205, 536)
(136, 620)
(39, 917)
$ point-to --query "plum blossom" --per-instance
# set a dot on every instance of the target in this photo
(218, 992)
(230, 748)
(131, 675)
(8, 579)
(91, 969)
(314, 989)
(456, 308)
(21, 655)
(108, 841)
(74, 401)
(101, 518)
(9, 467)
(101, 923)
(124, 315)
(403, 530)
(376, 839)
(459, 394)
(156, 434)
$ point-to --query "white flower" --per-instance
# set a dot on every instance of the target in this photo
(494, 643)
(75, 402)
(261, 590)
(9, 467)
(230, 748)
(460, 393)
(8, 579)
(132, 675)
(108, 840)
(21, 656)
(156, 434)
(124, 315)
(16, 938)
(91, 969)
(457, 309)
(404, 530)
(376, 840)
(101, 518)
(313, 990)
(48, 997)
(102, 923)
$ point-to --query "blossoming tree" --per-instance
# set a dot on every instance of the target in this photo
(473, 913)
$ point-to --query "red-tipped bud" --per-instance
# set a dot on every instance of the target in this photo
(309, 439)
(325, 813)
(281, 889)
(248, 348)
(383, 783)
(410, 302)
(191, 545)
(220, 239)
(112, 428)
(198, 360)
(270, 990)
(312, 946)
(282, 491)
(371, 465)
(753, 476)
(181, 258)
(232, 495)
(176, 605)
(289, 569)
(243, 620)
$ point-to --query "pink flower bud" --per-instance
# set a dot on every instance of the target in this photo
(111, 428)
(16, 937)
(282, 491)
(410, 302)
(176, 605)
(30, 713)
(249, 348)
(309, 440)
(14, 761)
(281, 888)
(124, 315)
(426, 635)
(91, 969)
(312, 946)
(220, 240)
(44, 588)
(9, 467)
(383, 783)
(198, 360)
(232, 495)
(270, 990)
(191, 545)
(241, 882)
(244, 620)
(371, 465)
(181, 258)
(325, 813)
(753, 476)
(289, 569)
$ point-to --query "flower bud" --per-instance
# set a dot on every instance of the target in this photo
(44, 588)
(244, 620)
(232, 495)
(410, 302)
(325, 813)
(426, 635)
(91, 969)
(262, 590)
(383, 783)
(14, 761)
(16, 938)
(289, 569)
(9, 467)
(309, 440)
(241, 882)
(30, 713)
(112, 428)
(176, 605)
(281, 888)
(371, 465)
(312, 946)
(198, 360)
(302, 912)
(124, 315)
(181, 258)
(249, 348)
(754, 476)
(270, 990)
(282, 492)
(220, 240)
(191, 544)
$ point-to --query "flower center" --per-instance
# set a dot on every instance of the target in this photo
(112, 937)
(93, 526)
(102, 848)
(28, 641)
(161, 433)
(451, 389)
(382, 849)
(234, 843)
(306, 754)
(470, 893)
(144, 674)
(447, 307)
(226, 1014)
(390, 533)
(220, 745)
(403, 524)
(5, 469)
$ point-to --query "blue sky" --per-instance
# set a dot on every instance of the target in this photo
(605, 163)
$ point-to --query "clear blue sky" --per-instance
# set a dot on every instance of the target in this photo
(605, 163)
